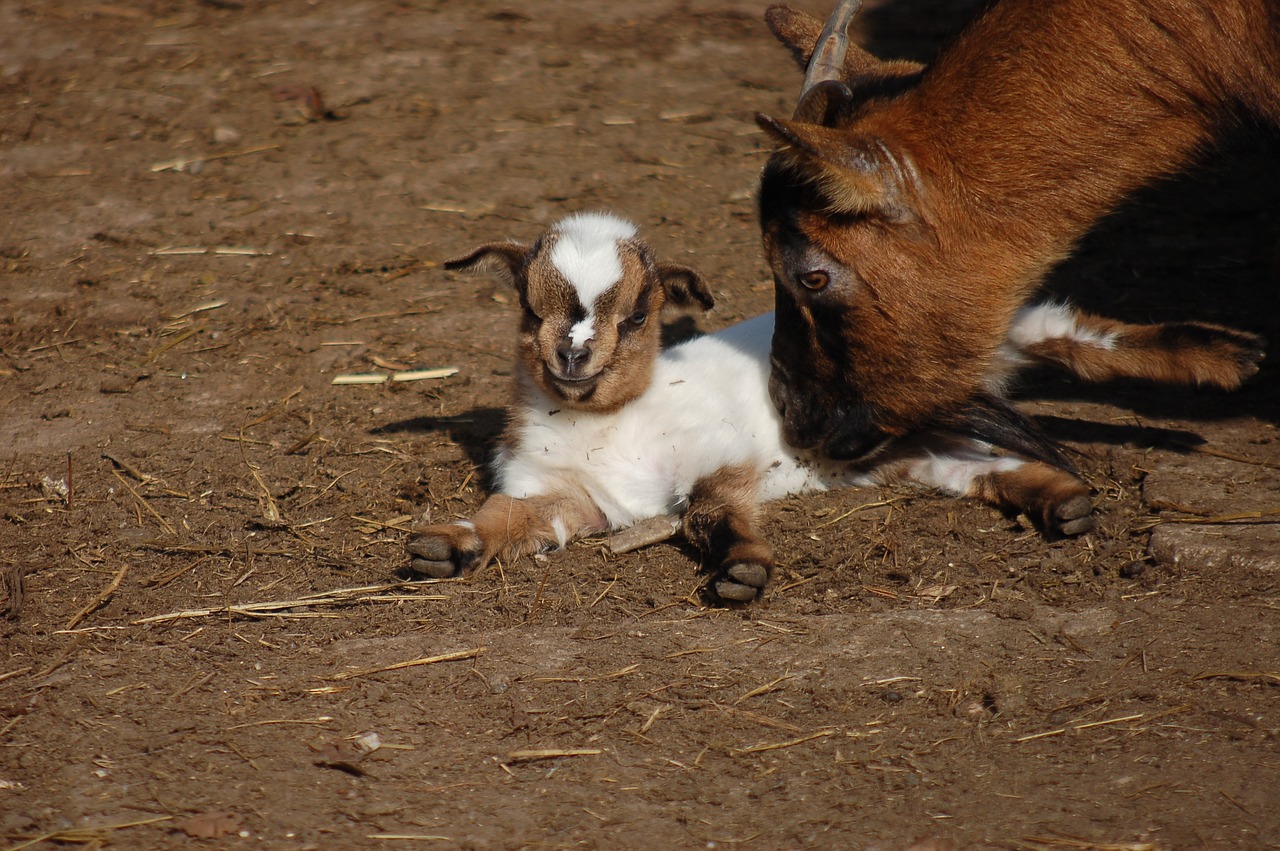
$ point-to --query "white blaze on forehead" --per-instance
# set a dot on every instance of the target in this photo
(586, 254)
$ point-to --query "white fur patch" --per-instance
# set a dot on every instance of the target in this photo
(954, 474)
(586, 253)
(562, 531)
(583, 331)
(1040, 322)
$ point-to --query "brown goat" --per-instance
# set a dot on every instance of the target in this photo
(909, 212)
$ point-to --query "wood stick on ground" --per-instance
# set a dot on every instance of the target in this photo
(1231, 456)
(270, 510)
(101, 598)
(1046, 734)
(1217, 519)
(11, 674)
(655, 530)
(72, 646)
(129, 468)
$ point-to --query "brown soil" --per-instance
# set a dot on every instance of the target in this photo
(212, 208)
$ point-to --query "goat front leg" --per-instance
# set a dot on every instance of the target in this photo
(505, 527)
(720, 523)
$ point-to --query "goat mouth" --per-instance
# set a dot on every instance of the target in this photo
(571, 386)
(575, 380)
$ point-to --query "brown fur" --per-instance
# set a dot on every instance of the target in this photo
(937, 201)
(1055, 500)
(504, 528)
(720, 521)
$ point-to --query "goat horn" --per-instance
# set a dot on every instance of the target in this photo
(827, 60)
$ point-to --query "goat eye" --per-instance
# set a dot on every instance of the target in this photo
(638, 318)
(815, 280)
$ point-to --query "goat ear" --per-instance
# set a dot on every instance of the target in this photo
(799, 32)
(504, 259)
(854, 174)
(684, 287)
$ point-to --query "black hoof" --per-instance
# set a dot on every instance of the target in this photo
(735, 592)
(434, 556)
(1074, 517)
(742, 582)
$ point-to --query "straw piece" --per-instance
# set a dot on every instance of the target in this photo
(428, 660)
(101, 598)
(422, 374)
(134, 493)
(550, 753)
(360, 378)
(1062, 730)
(337, 597)
(1268, 677)
(84, 835)
(821, 734)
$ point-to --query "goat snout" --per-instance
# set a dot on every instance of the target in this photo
(572, 359)
(847, 433)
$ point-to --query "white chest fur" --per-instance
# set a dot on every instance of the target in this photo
(708, 407)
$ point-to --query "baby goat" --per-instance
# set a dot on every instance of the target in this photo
(606, 430)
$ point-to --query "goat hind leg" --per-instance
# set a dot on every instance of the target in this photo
(1055, 500)
(720, 522)
(1096, 348)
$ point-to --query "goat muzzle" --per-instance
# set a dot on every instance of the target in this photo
(571, 360)
(847, 433)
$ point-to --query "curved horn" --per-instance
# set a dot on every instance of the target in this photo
(828, 54)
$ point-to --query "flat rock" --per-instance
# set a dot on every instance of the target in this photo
(1214, 486)
(1195, 545)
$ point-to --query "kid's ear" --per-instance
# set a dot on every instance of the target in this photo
(504, 259)
(684, 286)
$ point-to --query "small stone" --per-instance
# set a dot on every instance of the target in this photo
(225, 135)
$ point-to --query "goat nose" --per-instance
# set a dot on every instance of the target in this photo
(572, 357)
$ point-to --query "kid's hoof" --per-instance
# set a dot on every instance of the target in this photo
(434, 556)
(434, 569)
(742, 582)
(750, 573)
(735, 592)
(1074, 517)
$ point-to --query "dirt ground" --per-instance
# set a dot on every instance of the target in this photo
(211, 209)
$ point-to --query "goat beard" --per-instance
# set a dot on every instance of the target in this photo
(993, 420)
